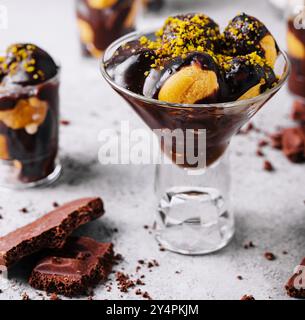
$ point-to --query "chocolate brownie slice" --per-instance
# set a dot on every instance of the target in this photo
(72, 270)
(50, 231)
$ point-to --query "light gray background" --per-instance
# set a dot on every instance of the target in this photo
(269, 207)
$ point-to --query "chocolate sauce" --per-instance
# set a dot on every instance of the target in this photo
(106, 24)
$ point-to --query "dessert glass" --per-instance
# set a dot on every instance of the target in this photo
(99, 27)
(29, 131)
(296, 53)
(194, 215)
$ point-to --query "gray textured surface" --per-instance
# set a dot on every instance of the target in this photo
(269, 207)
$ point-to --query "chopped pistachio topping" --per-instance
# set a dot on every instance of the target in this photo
(198, 33)
(21, 56)
(180, 36)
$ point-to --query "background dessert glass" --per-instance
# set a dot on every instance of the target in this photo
(296, 52)
(102, 22)
(29, 131)
(194, 214)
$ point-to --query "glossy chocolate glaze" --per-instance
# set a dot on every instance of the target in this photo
(108, 24)
(34, 154)
(20, 76)
(297, 76)
(129, 64)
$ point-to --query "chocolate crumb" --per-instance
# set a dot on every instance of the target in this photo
(249, 245)
(268, 166)
(260, 153)
(24, 210)
(142, 262)
(240, 278)
(285, 253)
(146, 295)
(270, 256)
(247, 298)
(138, 292)
(146, 227)
(140, 282)
(55, 205)
(1, 217)
(25, 296)
(54, 296)
(263, 143)
(65, 122)
(124, 282)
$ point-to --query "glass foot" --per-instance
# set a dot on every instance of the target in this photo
(194, 221)
(10, 181)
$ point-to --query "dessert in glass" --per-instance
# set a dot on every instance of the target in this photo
(296, 52)
(191, 76)
(100, 22)
(29, 117)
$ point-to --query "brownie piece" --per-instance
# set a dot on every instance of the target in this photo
(295, 286)
(72, 270)
(50, 231)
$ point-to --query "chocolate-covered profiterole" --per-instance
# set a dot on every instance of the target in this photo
(101, 22)
(29, 113)
(189, 61)
(246, 34)
(82, 263)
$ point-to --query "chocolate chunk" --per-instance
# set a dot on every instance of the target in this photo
(50, 231)
(294, 144)
(81, 264)
(296, 284)
(298, 111)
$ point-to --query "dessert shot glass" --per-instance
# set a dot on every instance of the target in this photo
(29, 131)
(194, 209)
(296, 51)
(100, 22)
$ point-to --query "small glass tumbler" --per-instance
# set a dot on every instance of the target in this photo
(102, 22)
(194, 215)
(29, 131)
